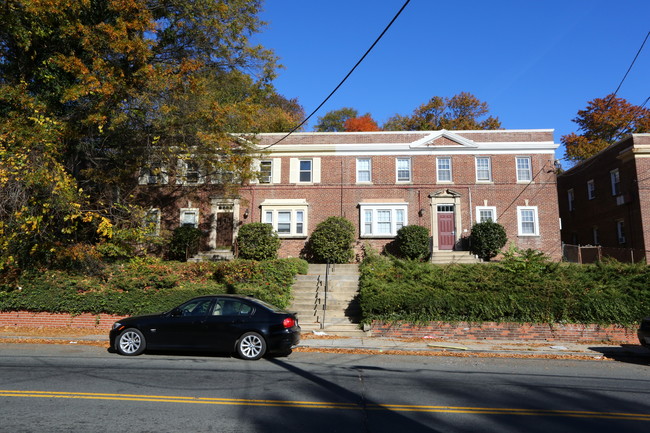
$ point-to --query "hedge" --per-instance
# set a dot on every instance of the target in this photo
(404, 290)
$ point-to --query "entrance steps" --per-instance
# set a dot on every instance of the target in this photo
(447, 257)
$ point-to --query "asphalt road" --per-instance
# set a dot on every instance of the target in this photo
(68, 388)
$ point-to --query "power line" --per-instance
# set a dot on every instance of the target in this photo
(632, 64)
(346, 77)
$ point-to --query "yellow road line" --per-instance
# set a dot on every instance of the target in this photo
(326, 405)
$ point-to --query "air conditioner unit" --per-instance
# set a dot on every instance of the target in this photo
(265, 179)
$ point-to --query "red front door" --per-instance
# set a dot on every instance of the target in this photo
(446, 229)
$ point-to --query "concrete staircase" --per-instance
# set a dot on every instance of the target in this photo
(326, 302)
(213, 255)
(447, 257)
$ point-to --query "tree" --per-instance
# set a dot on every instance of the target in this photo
(131, 82)
(487, 239)
(603, 122)
(361, 124)
(331, 241)
(334, 121)
(460, 112)
(413, 242)
(258, 241)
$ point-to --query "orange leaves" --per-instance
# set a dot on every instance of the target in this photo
(361, 124)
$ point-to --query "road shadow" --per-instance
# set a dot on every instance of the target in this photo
(629, 353)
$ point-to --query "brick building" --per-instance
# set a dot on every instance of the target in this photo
(443, 180)
(605, 200)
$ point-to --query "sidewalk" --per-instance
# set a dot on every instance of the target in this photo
(377, 345)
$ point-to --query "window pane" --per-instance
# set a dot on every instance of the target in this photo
(265, 172)
(305, 170)
(363, 170)
(444, 169)
(523, 169)
(483, 169)
(367, 221)
(527, 221)
(268, 217)
(299, 222)
(486, 215)
(399, 219)
(383, 221)
(403, 169)
(284, 222)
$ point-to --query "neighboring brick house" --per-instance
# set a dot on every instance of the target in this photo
(605, 200)
(443, 180)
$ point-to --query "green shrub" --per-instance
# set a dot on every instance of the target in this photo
(184, 243)
(413, 242)
(258, 241)
(331, 242)
(487, 239)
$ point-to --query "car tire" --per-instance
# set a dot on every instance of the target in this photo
(251, 346)
(130, 342)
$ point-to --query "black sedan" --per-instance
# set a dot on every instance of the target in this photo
(218, 323)
(644, 332)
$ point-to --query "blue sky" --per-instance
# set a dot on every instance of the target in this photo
(536, 63)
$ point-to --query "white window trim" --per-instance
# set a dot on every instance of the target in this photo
(188, 210)
(520, 222)
(591, 189)
(410, 169)
(489, 180)
(493, 209)
(528, 171)
(294, 170)
(146, 176)
(294, 206)
(264, 180)
(375, 208)
(450, 170)
(155, 220)
(369, 170)
(181, 178)
(615, 181)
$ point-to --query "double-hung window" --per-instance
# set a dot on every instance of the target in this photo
(382, 220)
(615, 180)
(287, 217)
(190, 217)
(524, 170)
(527, 221)
(486, 213)
(571, 199)
(266, 171)
(443, 169)
(620, 231)
(364, 173)
(591, 189)
(483, 169)
(403, 169)
(305, 170)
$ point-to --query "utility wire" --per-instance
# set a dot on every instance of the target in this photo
(344, 79)
(630, 68)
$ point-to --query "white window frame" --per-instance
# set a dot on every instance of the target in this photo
(447, 170)
(183, 171)
(526, 211)
(364, 170)
(524, 173)
(571, 199)
(615, 181)
(186, 211)
(294, 170)
(408, 170)
(264, 178)
(375, 217)
(273, 212)
(481, 169)
(591, 189)
(309, 171)
(149, 177)
(491, 209)
(152, 222)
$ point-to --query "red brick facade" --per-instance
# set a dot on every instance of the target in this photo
(603, 214)
(383, 180)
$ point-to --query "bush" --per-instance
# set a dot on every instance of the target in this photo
(413, 242)
(331, 242)
(258, 241)
(487, 239)
(184, 243)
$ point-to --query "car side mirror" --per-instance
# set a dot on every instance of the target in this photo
(176, 312)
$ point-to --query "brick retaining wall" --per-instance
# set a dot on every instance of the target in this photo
(508, 331)
(101, 322)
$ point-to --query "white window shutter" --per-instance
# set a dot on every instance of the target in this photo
(316, 169)
(294, 170)
(276, 170)
(256, 169)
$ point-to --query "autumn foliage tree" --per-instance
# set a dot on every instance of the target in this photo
(361, 124)
(334, 120)
(107, 87)
(604, 121)
(460, 112)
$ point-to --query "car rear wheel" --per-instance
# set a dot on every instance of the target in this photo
(251, 346)
(130, 342)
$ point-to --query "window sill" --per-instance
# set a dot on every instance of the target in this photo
(292, 236)
(377, 236)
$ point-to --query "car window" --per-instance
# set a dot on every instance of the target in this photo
(198, 307)
(231, 307)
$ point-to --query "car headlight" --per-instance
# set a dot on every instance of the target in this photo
(116, 325)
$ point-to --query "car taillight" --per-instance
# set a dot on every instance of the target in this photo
(289, 322)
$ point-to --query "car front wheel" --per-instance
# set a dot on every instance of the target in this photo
(251, 346)
(130, 342)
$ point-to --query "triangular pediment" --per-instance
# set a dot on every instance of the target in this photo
(443, 138)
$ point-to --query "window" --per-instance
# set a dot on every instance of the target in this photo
(486, 213)
(382, 220)
(266, 171)
(483, 169)
(571, 199)
(595, 235)
(287, 217)
(305, 170)
(231, 307)
(527, 221)
(591, 189)
(189, 173)
(615, 180)
(443, 169)
(524, 171)
(403, 169)
(190, 217)
(620, 231)
(154, 174)
(364, 173)
(152, 222)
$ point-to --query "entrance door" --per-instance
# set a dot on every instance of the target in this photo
(446, 229)
(224, 229)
